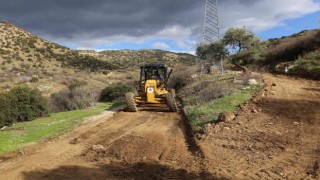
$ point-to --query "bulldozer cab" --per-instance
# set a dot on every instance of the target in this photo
(154, 72)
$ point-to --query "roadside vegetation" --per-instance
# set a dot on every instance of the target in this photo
(56, 124)
(205, 96)
(77, 95)
(209, 111)
(21, 104)
(115, 92)
(27, 117)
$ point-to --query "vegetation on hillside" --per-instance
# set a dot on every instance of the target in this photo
(132, 59)
(296, 54)
(291, 48)
(307, 65)
(22, 51)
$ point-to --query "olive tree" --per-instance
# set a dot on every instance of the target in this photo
(240, 39)
(213, 52)
(245, 45)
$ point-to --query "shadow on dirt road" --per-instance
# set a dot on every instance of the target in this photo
(116, 171)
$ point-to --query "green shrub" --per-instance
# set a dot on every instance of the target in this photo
(29, 103)
(21, 104)
(307, 65)
(114, 92)
(8, 111)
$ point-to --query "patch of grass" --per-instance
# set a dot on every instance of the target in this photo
(57, 124)
(209, 112)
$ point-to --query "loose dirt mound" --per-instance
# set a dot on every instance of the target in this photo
(275, 137)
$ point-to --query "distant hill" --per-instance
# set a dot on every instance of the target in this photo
(123, 59)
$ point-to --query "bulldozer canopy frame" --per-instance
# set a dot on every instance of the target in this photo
(154, 71)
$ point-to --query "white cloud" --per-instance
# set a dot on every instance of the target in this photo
(262, 15)
(181, 36)
(161, 45)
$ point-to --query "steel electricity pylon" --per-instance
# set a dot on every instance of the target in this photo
(211, 26)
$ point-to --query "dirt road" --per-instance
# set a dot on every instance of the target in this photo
(149, 145)
(277, 136)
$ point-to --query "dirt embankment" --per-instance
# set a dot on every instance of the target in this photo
(274, 137)
(277, 136)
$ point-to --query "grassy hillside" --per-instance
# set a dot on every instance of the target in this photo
(298, 54)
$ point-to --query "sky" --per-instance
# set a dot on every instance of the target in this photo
(174, 25)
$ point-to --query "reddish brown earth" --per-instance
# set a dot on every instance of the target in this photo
(277, 136)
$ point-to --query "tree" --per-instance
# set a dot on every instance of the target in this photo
(246, 45)
(240, 39)
(212, 52)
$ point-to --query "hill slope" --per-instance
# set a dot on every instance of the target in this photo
(23, 51)
(298, 54)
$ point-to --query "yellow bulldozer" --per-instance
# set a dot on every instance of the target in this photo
(152, 88)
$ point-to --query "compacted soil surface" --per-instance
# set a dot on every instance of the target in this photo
(275, 136)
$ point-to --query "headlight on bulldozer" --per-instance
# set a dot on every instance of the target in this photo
(150, 89)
